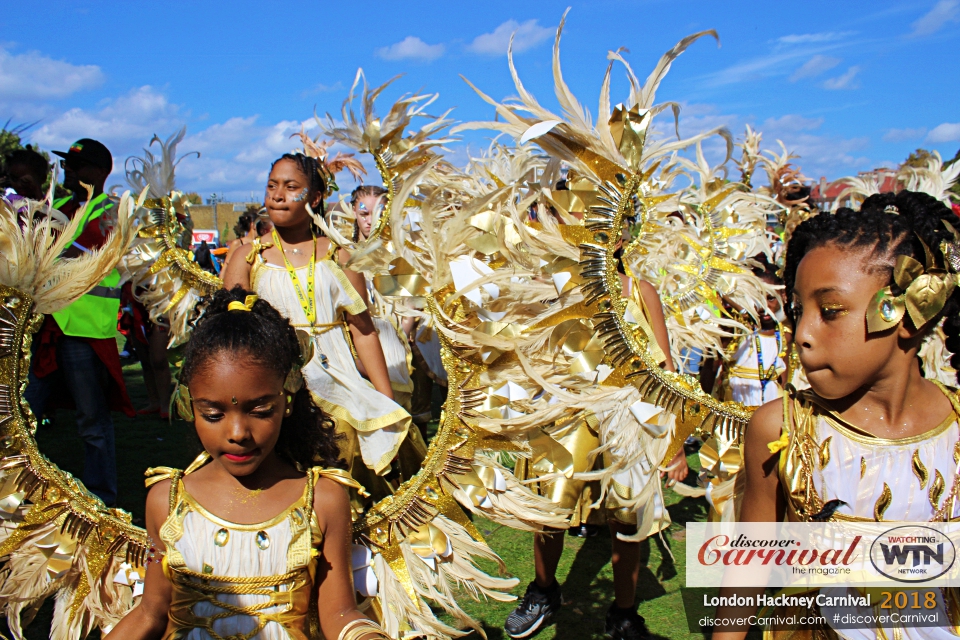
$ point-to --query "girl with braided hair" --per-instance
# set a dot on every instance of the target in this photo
(255, 536)
(367, 202)
(864, 289)
(299, 273)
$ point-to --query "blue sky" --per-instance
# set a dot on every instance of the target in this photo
(849, 86)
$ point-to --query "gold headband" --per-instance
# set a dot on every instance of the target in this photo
(183, 401)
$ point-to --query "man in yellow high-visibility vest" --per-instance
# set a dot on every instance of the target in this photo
(79, 342)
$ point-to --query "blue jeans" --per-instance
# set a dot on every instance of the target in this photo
(86, 379)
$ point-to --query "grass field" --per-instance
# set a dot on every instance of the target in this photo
(584, 573)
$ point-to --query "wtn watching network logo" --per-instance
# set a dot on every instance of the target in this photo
(912, 554)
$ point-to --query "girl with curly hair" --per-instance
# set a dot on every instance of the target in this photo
(255, 535)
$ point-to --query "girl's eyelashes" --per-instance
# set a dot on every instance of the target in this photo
(832, 311)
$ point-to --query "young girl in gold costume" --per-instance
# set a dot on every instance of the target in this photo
(299, 273)
(254, 538)
(865, 288)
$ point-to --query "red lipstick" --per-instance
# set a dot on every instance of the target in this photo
(233, 457)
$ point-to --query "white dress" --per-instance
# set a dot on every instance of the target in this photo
(744, 378)
(371, 422)
(242, 580)
(902, 480)
(396, 350)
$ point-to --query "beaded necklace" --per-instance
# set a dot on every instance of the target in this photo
(766, 375)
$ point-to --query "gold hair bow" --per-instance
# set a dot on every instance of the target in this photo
(926, 289)
(246, 305)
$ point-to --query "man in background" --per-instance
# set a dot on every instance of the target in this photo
(77, 347)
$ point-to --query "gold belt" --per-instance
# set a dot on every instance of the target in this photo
(191, 588)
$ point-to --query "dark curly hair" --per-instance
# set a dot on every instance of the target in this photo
(307, 436)
(888, 225)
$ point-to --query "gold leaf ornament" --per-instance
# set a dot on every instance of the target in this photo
(402, 280)
(925, 292)
(629, 130)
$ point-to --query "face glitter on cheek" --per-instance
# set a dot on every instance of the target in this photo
(300, 197)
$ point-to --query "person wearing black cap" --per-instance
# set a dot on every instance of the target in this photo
(79, 342)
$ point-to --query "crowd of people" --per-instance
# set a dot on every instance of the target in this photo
(310, 384)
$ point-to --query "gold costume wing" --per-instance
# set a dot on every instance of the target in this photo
(423, 546)
(160, 266)
(56, 537)
(692, 243)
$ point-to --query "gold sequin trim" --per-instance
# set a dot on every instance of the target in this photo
(886, 497)
(919, 470)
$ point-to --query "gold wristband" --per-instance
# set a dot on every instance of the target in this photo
(357, 629)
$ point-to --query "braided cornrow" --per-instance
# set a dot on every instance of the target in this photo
(307, 436)
(889, 225)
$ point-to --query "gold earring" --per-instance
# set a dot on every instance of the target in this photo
(289, 409)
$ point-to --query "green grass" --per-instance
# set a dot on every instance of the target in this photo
(585, 572)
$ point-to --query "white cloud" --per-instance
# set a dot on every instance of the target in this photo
(946, 132)
(902, 135)
(791, 123)
(807, 38)
(845, 81)
(495, 43)
(33, 76)
(130, 119)
(814, 66)
(323, 88)
(943, 12)
(412, 48)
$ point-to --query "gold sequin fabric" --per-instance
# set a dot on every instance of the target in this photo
(254, 581)
(908, 479)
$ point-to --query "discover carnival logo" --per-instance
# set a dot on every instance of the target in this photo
(912, 553)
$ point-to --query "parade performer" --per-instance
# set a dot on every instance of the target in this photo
(298, 272)
(754, 373)
(253, 539)
(865, 288)
(366, 202)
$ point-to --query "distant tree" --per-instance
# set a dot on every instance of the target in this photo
(194, 198)
(11, 139)
(918, 158)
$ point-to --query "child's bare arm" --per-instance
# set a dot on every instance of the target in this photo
(651, 300)
(149, 618)
(763, 500)
(336, 601)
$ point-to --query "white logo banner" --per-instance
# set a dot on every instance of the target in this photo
(817, 554)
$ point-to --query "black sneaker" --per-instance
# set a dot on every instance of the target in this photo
(626, 625)
(538, 606)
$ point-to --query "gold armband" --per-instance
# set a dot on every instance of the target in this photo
(357, 629)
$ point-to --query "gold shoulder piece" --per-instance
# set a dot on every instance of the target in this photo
(339, 476)
(258, 248)
(198, 462)
(156, 475)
